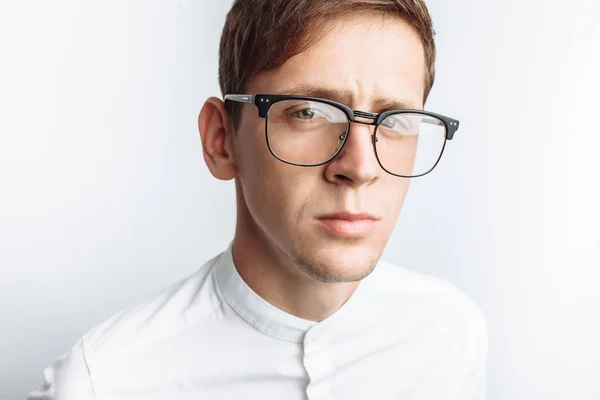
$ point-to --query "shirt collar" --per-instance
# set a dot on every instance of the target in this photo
(261, 314)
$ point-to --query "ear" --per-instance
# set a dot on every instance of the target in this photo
(215, 130)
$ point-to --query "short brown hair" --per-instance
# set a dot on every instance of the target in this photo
(261, 35)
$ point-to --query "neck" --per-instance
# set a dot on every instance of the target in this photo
(270, 272)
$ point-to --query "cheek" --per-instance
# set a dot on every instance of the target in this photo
(290, 188)
(249, 141)
(279, 202)
(275, 193)
(252, 158)
(394, 196)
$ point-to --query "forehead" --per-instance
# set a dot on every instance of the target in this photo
(371, 60)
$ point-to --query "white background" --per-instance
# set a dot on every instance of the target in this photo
(104, 195)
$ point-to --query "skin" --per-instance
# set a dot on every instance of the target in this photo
(280, 249)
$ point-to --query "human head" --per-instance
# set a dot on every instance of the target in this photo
(371, 50)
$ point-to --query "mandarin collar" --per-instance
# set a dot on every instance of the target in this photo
(264, 316)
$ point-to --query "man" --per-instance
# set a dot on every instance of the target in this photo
(322, 129)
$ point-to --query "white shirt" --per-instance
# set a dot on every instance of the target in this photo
(401, 335)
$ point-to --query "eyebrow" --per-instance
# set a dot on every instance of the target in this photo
(346, 96)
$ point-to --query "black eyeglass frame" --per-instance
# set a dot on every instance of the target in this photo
(265, 101)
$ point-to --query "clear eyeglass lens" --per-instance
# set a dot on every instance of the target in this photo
(305, 132)
(410, 144)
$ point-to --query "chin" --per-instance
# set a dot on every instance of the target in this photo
(338, 262)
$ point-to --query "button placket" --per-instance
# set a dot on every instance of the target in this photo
(318, 363)
(319, 391)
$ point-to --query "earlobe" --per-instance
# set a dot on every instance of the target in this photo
(214, 127)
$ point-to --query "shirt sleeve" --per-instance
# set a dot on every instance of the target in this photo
(68, 378)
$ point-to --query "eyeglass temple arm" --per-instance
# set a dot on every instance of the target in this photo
(240, 98)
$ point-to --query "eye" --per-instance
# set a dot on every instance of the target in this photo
(389, 122)
(398, 122)
(305, 113)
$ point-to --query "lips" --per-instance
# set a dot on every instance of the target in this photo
(348, 225)
(346, 216)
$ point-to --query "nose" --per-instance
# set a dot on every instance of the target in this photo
(356, 164)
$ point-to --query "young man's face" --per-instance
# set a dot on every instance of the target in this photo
(370, 58)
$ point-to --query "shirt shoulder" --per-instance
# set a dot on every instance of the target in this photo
(429, 303)
(393, 283)
(155, 318)
(433, 315)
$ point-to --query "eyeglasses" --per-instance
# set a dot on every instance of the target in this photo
(310, 131)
